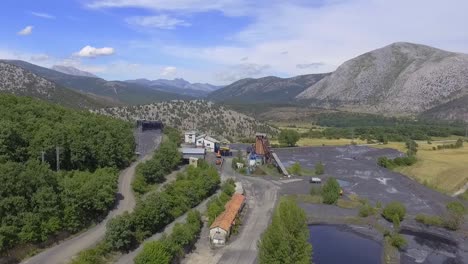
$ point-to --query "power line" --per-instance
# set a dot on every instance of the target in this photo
(57, 152)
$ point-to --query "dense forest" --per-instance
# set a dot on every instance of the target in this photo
(36, 201)
(380, 128)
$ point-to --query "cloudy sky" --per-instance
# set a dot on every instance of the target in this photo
(220, 41)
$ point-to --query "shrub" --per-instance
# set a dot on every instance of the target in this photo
(429, 220)
(319, 168)
(398, 241)
(455, 215)
(295, 169)
(331, 191)
(456, 207)
(366, 210)
(392, 209)
(119, 233)
(288, 137)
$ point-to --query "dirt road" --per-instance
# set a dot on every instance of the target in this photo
(261, 198)
(63, 252)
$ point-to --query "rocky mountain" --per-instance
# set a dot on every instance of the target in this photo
(72, 71)
(205, 116)
(178, 85)
(265, 90)
(18, 81)
(117, 92)
(399, 79)
(454, 110)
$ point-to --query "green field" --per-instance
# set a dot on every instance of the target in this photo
(314, 142)
(445, 170)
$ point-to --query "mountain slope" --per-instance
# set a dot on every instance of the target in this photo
(117, 91)
(72, 71)
(18, 81)
(205, 116)
(398, 79)
(454, 110)
(178, 85)
(265, 90)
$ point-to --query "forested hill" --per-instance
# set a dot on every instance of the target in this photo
(208, 117)
(36, 202)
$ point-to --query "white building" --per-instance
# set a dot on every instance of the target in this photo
(190, 137)
(210, 144)
(207, 142)
(201, 141)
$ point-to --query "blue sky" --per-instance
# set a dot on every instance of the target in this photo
(219, 41)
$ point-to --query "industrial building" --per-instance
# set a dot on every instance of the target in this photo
(198, 153)
(221, 228)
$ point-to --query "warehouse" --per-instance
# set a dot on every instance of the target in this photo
(220, 229)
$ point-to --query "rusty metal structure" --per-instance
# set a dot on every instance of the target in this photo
(262, 147)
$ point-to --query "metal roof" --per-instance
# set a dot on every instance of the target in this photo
(211, 139)
(200, 151)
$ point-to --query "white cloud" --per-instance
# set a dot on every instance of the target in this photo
(160, 21)
(240, 71)
(310, 65)
(169, 71)
(26, 31)
(334, 32)
(229, 7)
(92, 52)
(42, 15)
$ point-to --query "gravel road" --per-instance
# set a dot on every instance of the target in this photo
(65, 250)
(261, 198)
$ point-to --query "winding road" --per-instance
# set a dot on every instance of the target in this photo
(65, 250)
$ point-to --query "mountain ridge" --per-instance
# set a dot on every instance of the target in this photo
(270, 89)
(72, 71)
(399, 79)
(112, 91)
(18, 81)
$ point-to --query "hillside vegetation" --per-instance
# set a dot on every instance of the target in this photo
(269, 89)
(197, 114)
(18, 81)
(38, 203)
(110, 92)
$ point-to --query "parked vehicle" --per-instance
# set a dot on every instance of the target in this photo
(315, 180)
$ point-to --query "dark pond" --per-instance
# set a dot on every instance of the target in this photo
(337, 244)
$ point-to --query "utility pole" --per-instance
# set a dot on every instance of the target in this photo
(57, 152)
(43, 156)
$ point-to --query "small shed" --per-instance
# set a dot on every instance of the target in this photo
(193, 161)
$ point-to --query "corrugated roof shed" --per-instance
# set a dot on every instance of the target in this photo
(226, 219)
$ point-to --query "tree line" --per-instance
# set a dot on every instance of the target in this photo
(286, 239)
(379, 128)
(159, 209)
(173, 247)
(38, 203)
(86, 141)
(164, 160)
(216, 205)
